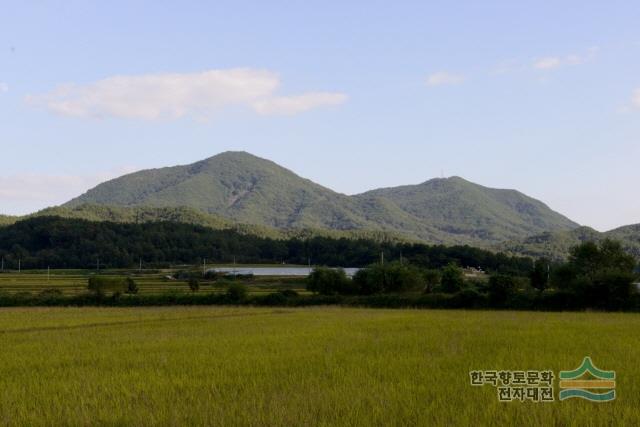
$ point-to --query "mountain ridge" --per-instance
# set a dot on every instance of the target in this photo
(248, 189)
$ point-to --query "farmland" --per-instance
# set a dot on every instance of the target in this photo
(313, 366)
(74, 282)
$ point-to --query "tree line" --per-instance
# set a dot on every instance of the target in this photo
(597, 276)
(57, 242)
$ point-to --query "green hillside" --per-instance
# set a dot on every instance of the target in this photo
(557, 245)
(461, 208)
(146, 214)
(7, 220)
(243, 188)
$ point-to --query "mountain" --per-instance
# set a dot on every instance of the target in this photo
(462, 208)
(557, 245)
(243, 188)
(181, 214)
(7, 220)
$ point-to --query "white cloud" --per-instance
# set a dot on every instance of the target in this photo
(27, 193)
(444, 78)
(171, 96)
(296, 104)
(635, 100)
(4, 87)
(554, 62)
(548, 63)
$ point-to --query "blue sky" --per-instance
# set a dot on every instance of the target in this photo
(544, 98)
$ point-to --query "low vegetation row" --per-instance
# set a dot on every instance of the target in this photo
(596, 276)
(599, 276)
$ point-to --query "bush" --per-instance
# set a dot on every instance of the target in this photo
(432, 279)
(329, 281)
(132, 286)
(501, 287)
(452, 279)
(275, 298)
(369, 281)
(289, 293)
(393, 277)
(236, 292)
(610, 290)
(194, 284)
(103, 285)
(468, 298)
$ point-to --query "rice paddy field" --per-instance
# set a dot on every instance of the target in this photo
(73, 282)
(313, 366)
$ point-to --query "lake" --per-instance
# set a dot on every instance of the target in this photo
(275, 271)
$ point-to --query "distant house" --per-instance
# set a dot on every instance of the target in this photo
(637, 285)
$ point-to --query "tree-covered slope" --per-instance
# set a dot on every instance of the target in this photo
(243, 188)
(461, 208)
(237, 186)
(7, 220)
(184, 215)
(556, 245)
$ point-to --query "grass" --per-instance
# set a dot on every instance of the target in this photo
(74, 282)
(314, 366)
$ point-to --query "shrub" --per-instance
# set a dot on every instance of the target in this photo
(132, 286)
(275, 298)
(501, 287)
(610, 290)
(393, 277)
(468, 298)
(236, 292)
(369, 281)
(452, 279)
(289, 293)
(103, 285)
(329, 281)
(50, 293)
(432, 279)
(194, 284)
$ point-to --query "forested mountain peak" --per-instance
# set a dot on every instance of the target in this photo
(241, 187)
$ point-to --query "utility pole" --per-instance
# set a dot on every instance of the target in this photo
(548, 272)
(140, 269)
(382, 258)
(204, 267)
(48, 273)
(19, 265)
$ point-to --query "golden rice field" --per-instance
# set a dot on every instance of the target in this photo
(314, 366)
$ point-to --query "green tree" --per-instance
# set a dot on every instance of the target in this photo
(103, 285)
(329, 281)
(540, 274)
(389, 278)
(600, 275)
(452, 278)
(236, 292)
(589, 258)
(432, 278)
(132, 286)
(500, 287)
